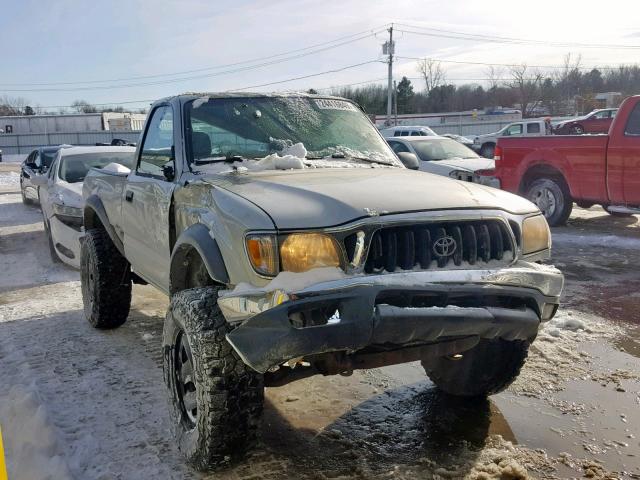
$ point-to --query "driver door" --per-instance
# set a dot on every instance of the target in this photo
(147, 201)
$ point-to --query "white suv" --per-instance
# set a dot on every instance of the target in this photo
(406, 131)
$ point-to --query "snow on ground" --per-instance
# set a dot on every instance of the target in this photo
(609, 241)
(9, 179)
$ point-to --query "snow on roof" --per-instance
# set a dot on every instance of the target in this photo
(96, 149)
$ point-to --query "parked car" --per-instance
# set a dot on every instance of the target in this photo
(281, 263)
(61, 195)
(597, 121)
(0, 155)
(553, 172)
(484, 144)
(444, 156)
(466, 141)
(36, 163)
(407, 131)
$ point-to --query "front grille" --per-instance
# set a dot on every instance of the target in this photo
(438, 245)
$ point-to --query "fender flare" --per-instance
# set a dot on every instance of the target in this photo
(94, 204)
(197, 237)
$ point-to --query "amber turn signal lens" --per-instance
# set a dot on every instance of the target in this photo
(263, 254)
(303, 251)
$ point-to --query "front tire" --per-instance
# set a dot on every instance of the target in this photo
(214, 398)
(486, 369)
(105, 279)
(52, 249)
(553, 199)
(577, 130)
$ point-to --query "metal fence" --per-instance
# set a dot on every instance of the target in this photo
(15, 144)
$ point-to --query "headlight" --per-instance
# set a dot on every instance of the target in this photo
(535, 235)
(303, 251)
(67, 211)
(263, 253)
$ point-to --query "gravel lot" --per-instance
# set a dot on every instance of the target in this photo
(86, 404)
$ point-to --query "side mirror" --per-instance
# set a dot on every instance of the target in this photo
(409, 160)
(39, 180)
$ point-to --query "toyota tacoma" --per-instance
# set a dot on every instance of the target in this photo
(292, 242)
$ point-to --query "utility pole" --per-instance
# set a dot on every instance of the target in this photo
(390, 49)
(395, 103)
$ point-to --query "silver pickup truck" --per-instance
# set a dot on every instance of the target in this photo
(292, 242)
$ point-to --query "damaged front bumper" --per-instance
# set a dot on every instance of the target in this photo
(390, 310)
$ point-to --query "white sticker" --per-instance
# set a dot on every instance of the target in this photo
(330, 104)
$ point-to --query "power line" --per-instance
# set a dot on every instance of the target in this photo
(305, 76)
(338, 42)
(428, 31)
(487, 64)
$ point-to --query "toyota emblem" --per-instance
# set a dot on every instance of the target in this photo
(444, 246)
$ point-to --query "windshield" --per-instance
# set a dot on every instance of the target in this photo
(253, 128)
(441, 149)
(47, 157)
(73, 168)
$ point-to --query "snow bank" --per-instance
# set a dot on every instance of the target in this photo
(609, 241)
(31, 447)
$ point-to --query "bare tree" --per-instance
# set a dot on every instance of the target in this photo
(527, 85)
(82, 106)
(432, 73)
(11, 106)
(494, 75)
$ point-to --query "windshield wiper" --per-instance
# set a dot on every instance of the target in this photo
(364, 159)
(227, 158)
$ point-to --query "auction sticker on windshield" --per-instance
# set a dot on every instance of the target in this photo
(329, 104)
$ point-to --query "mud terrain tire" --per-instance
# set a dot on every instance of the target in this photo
(105, 278)
(488, 368)
(551, 194)
(214, 398)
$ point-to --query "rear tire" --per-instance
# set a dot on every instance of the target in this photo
(486, 369)
(105, 278)
(214, 398)
(553, 199)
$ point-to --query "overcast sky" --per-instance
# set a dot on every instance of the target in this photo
(79, 41)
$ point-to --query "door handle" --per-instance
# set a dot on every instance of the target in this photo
(128, 196)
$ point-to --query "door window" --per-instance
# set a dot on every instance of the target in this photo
(601, 115)
(513, 130)
(158, 143)
(533, 128)
(398, 147)
(633, 122)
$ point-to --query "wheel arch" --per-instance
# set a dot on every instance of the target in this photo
(95, 216)
(542, 170)
(194, 250)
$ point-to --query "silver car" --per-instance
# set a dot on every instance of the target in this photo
(60, 195)
(444, 156)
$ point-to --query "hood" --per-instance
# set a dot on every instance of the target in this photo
(70, 193)
(470, 164)
(329, 197)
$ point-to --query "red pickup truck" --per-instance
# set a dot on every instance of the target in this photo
(556, 171)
